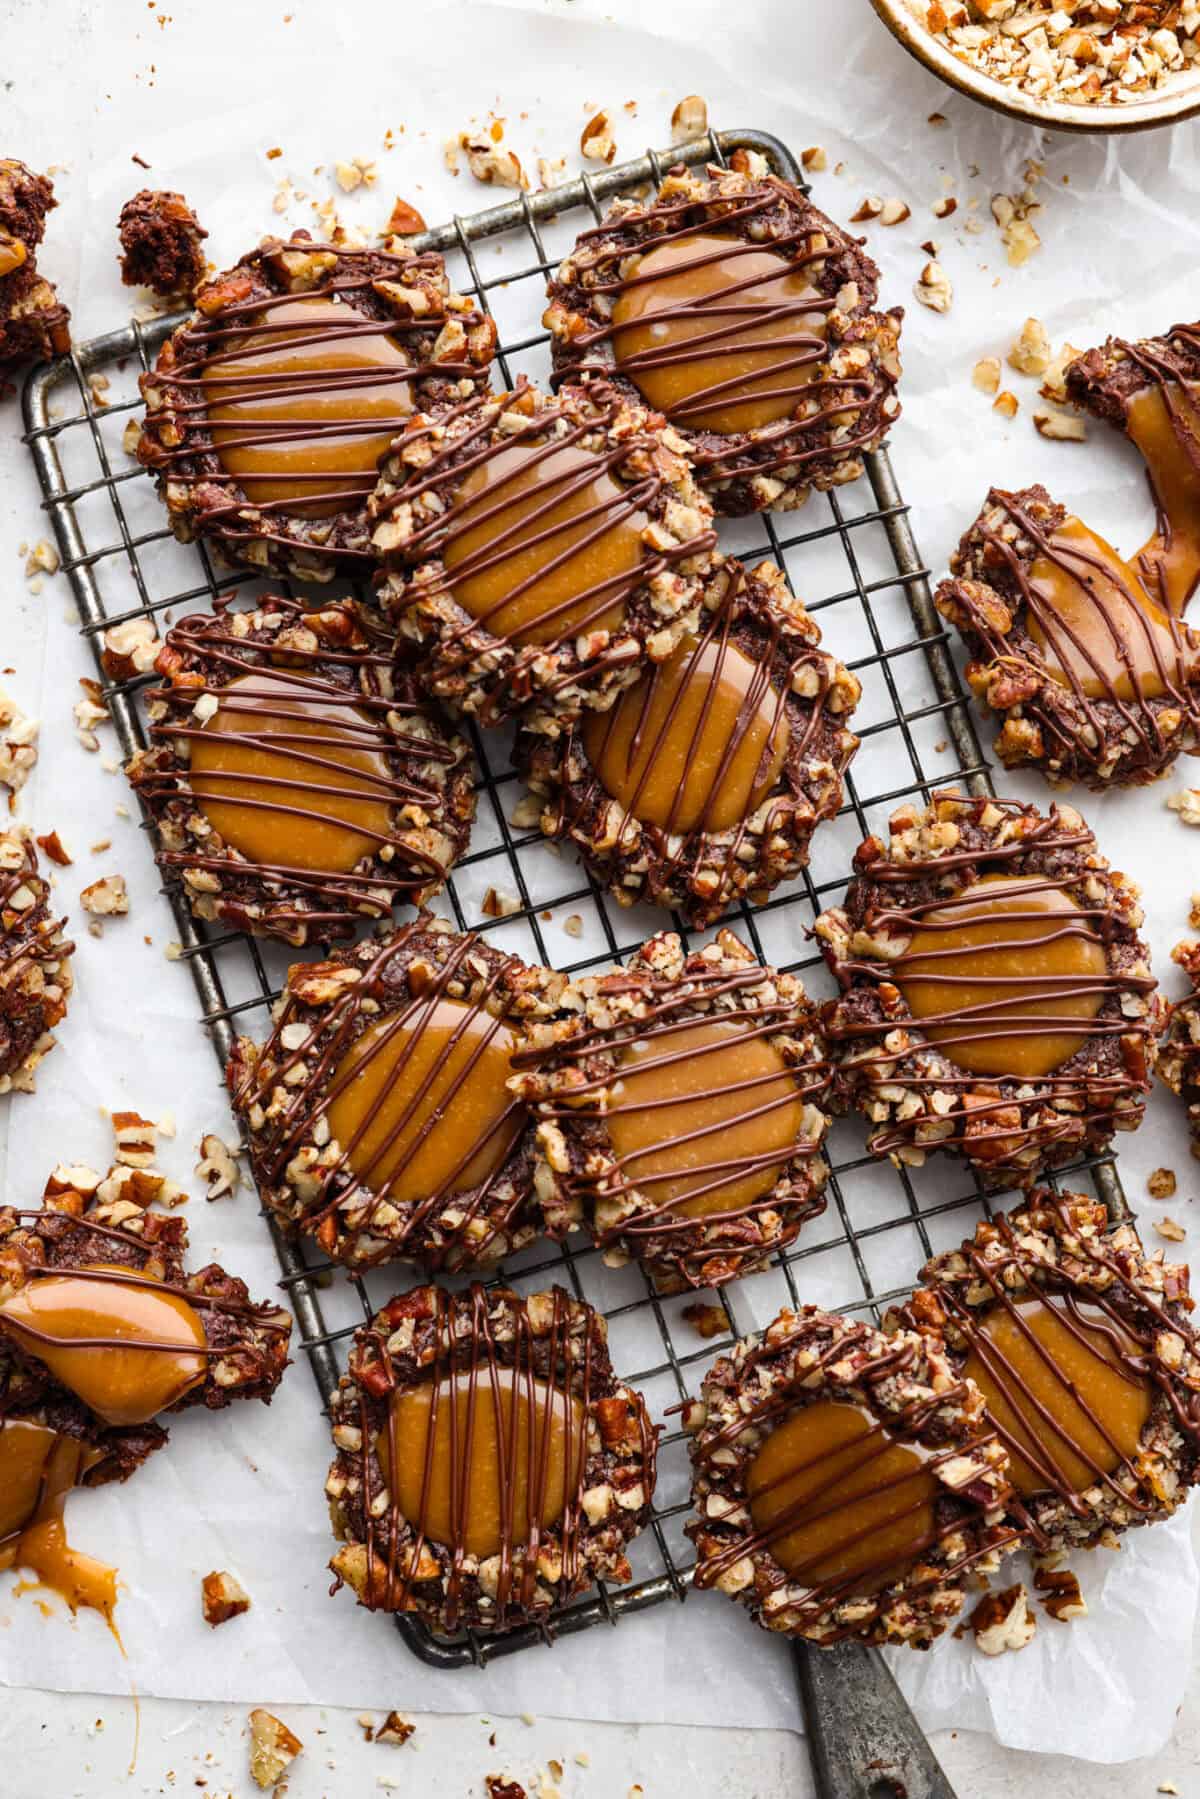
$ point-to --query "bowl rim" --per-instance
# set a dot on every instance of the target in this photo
(1146, 115)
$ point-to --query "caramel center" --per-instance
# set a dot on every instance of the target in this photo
(718, 335)
(38, 1469)
(479, 1462)
(126, 1347)
(13, 254)
(304, 402)
(1096, 625)
(1165, 426)
(698, 744)
(704, 1117)
(1065, 1401)
(989, 975)
(420, 1107)
(839, 1501)
(543, 544)
(291, 777)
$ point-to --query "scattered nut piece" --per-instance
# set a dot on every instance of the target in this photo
(552, 170)
(1193, 915)
(894, 212)
(689, 120)
(106, 898)
(395, 1730)
(18, 747)
(597, 142)
(1062, 427)
(405, 220)
(222, 1597)
(499, 1786)
(489, 163)
(869, 207)
(1006, 404)
(1003, 1621)
(273, 1748)
(44, 557)
(499, 903)
(134, 1138)
(218, 1166)
(1170, 1229)
(934, 289)
(707, 1320)
(573, 924)
(1054, 387)
(1162, 1184)
(1187, 803)
(1031, 354)
(526, 813)
(51, 846)
(1064, 1600)
(986, 374)
(356, 173)
(945, 207)
(814, 159)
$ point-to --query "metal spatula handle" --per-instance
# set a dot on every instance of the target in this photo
(864, 1741)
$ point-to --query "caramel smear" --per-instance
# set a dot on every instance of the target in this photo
(704, 1118)
(698, 744)
(543, 543)
(13, 254)
(303, 401)
(989, 974)
(716, 334)
(1060, 1391)
(481, 1458)
(1098, 628)
(292, 777)
(838, 1501)
(420, 1106)
(38, 1469)
(1164, 422)
(127, 1347)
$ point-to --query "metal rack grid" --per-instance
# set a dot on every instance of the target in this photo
(851, 554)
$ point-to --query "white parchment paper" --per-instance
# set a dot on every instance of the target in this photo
(1121, 231)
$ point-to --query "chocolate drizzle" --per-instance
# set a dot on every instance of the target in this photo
(385, 992)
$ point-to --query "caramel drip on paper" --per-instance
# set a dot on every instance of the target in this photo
(558, 538)
(1101, 634)
(315, 786)
(39, 1468)
(852, 1523)
(467, 1372)
(315, 398)
(1025, 1017)
(418, 1124)
(736, 1130)
(727, 323)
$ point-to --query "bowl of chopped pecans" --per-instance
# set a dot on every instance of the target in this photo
(1074, 65)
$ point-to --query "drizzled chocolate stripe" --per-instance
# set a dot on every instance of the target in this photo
(850, 395)
(1070, 648)
(476, 1353)
(332, 1035)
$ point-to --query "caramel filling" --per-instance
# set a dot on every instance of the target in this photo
(13, 254)
(989, 975)
(38, 1469)
(420, 1107)
(543, 544)
(696, 745)
(718, 336)
(1099, 630)
(838, 1501)
(1060, 1391)
(126, 1347)
(291, 777)
(304, 402)
(704, 1117)
(1164, 423)
(480, 1462)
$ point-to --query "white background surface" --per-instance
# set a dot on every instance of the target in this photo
(1120, 253)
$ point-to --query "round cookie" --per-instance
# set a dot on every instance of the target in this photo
(1179, 1052)
(268, 409)
(297, 776)
(678, 1101)
(844, 1480)
(793, 374)
(997, 1001)
(35, 965)
(703, 783)
(1083, 1349)
(1093, 681)
(377, 1111)
(516, 1466)
(540, 549)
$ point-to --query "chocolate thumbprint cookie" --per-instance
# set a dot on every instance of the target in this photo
(704, 782)
(997, 1001)
(1083, 1349)
(679, 1108)
(846, 1482)
(734, 307)
(35, 963)
(1150, 390)
(540, 549)
(489, 1464)
(1179, 1054)
(378, 1112)
(268, 410)
(297, 778)
(1093, 680)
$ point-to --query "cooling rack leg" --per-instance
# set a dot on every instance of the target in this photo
(863, 1740)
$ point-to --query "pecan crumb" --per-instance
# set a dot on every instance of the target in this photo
(1187, 803)
(1064, 1600)
(707, 1320)
(1170, 1229)
(273, 1748)
(1002, 1621)
(1161, 1184)
(395, 1730)
(106, 898)
(222, 1597)
(499, 903)
(690, 120)
(597, 142)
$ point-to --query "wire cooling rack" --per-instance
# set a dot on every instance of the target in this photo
(851, 556)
